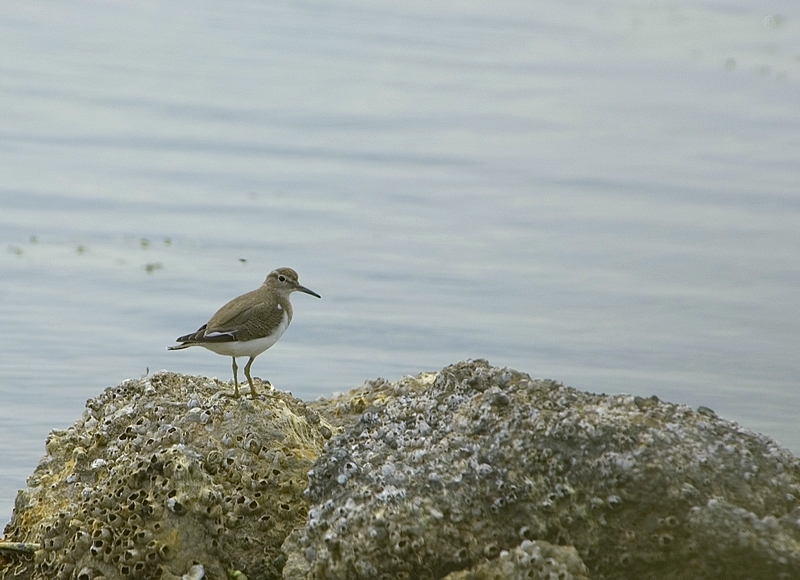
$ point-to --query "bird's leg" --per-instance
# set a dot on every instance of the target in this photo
(235, 378)
(247, 374)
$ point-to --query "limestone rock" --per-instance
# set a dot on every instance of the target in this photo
(445, 472)
(168, 477)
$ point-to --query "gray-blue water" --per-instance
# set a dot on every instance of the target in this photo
(604, 193)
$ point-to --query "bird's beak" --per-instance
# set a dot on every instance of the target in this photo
(300, 288)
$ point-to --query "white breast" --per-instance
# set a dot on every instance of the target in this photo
(248, 347)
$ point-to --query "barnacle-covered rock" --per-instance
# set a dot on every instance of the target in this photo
(168, 477)
(474, 472)
(528, 561)
(470, 469)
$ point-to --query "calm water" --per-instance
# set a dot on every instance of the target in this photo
(603, 193)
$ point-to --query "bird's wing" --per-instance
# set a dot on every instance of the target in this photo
(242, 319)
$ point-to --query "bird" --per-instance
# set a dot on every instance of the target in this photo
(249, 324)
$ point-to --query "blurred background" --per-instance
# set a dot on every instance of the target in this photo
(601, 192)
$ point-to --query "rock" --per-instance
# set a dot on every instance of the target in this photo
(528, 561)
(168, 477)
(456, 471)
(474, 472)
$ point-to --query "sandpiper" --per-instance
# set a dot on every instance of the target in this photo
(250, 324)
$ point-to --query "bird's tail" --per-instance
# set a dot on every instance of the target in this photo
(180, 346)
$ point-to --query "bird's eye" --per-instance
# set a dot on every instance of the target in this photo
(282, 278)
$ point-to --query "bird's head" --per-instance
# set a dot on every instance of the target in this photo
(285, 281)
